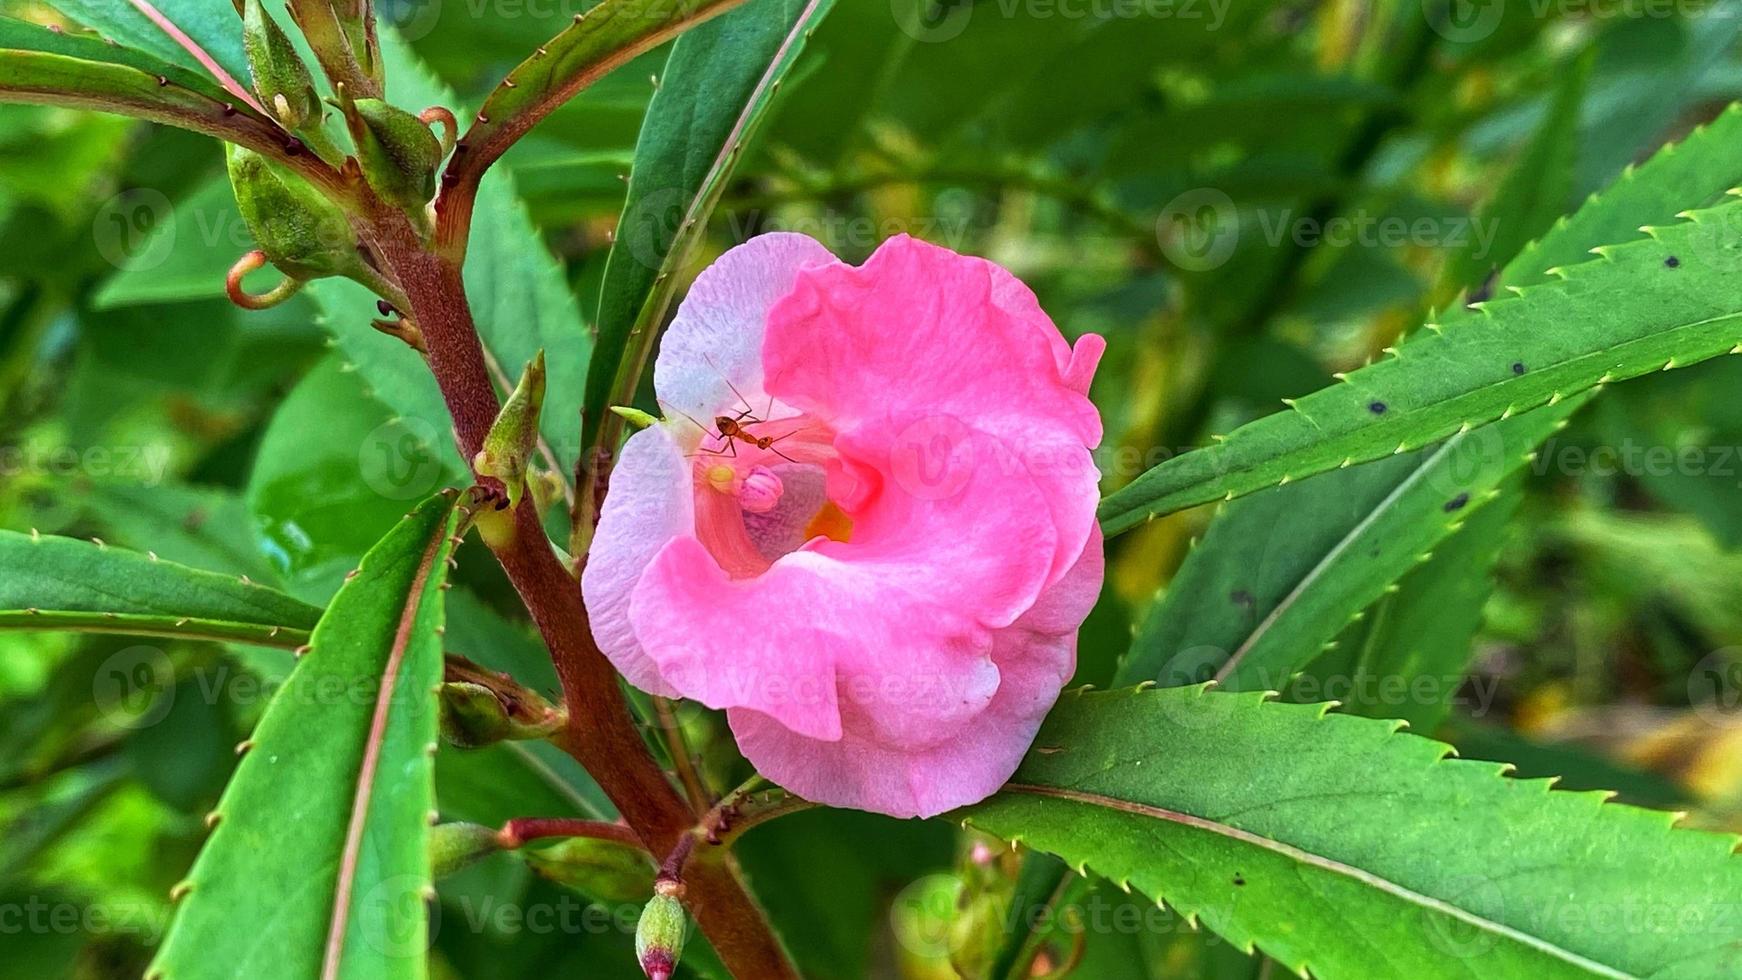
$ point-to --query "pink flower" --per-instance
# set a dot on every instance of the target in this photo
(881, 575)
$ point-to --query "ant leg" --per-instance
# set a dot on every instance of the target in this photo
(749, 409)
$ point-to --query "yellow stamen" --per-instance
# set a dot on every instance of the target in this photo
(721, 476)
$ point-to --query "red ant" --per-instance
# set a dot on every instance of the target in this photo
(732, 428)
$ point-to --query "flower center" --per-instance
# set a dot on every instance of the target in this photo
(761, 491)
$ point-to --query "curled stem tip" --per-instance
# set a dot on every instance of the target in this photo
(250, 261)
(450, 125)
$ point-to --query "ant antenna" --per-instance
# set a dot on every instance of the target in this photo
(749, 412)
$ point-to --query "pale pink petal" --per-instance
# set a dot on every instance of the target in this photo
(716, 336)
(649, 503)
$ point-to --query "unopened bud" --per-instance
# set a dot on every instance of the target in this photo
(634, 416)
(660, 935)
(453, 846)
(280, 77)
(474, 715)
(298, 228)
(513, 437)
(398, 153)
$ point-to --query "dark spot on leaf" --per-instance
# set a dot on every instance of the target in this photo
(1457, 503)
(1239, 879)
(1517, 367)
(1672, 262)
(1241, 597)
(1377, 408)
(1485, 291)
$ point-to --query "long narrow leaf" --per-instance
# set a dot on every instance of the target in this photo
(1666, 302)
(320, 839)
(1348, 851)
(54, 583)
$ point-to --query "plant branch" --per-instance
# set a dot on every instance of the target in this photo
(604, 38)
(601, 734)
(679, 748)
(518, 831)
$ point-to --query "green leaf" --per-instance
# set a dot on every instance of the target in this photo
(204, 234)
(1630, 312)
(1282, 571)
(55, 68)
(212, 26)
(1406, 656)
(1537, 189)
(520, 301)
(606, 36)
(716, 89)
(327, 879)
(1425, 628)
(1695, 172)
(54, 583)
(1338, 846)
(334, 472)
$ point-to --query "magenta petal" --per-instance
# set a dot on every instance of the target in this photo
(968, 762)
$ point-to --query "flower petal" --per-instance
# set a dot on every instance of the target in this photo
(715, 341)
(921, 328)
(650, 503)
(966, 764)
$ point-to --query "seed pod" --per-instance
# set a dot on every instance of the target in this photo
(604, 871)
(659, 936)
(301, 231)
(513, 436)
(280, 78)
(397, 151)
(453, 846)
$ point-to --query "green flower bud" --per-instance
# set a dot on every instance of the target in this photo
(634, 416)
(659, 936)
(283, 82)
(301, 231)
(513, 437)
(397, 151)
(474, 715)
(453, 846)
(604, 871)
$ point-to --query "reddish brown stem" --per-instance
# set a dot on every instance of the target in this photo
(516, 832)
(601, 734)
